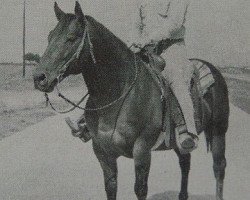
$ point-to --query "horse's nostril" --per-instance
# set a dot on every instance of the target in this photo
(42, 79)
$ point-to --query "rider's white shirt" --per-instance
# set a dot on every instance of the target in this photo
(162, 19)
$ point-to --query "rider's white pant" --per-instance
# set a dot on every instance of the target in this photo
(179, 71)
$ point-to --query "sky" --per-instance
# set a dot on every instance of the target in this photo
(217, 30)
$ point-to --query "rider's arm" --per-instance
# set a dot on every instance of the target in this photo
(174, 20)
(137, 32)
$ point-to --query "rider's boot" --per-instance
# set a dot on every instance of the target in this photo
(79, 128)
(186, 140)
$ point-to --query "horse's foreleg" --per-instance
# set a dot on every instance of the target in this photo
(142, 159)
(109, 167)
(184, 161)
(219, 160)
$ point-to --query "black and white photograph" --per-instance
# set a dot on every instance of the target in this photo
(124, 99)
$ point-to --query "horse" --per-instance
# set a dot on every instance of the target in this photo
(124, 109)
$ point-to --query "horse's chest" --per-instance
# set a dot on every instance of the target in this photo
(119, 139)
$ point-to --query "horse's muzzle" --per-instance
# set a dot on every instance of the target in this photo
(41, 83)
(40, 79)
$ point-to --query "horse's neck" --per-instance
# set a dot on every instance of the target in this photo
(114, 67)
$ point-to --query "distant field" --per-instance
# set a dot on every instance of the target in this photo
(238, 81)
(11, 78)
(22, 106)
(236, 70)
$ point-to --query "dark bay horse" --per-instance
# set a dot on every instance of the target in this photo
(124, 108)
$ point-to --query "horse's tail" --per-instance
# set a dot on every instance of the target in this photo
(217, 97)
(220, 105)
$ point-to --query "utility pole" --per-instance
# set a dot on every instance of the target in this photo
(24, 34)
(141, 24)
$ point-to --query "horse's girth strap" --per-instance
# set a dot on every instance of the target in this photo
(164, 87)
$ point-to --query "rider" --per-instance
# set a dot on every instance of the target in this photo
(160, 20)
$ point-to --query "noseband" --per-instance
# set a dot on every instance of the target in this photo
(77, 54)
(75, 57)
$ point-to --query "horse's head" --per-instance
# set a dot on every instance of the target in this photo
(60, 57)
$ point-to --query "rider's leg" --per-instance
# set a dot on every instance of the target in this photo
(181, 90)
(179, 71)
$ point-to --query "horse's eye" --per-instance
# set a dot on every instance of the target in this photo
(71, 38)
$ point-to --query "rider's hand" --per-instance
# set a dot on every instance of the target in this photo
(134, 47)
(140, 44)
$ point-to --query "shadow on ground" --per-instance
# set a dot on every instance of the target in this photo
(173, 195)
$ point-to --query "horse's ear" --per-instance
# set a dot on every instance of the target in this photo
(78, 11)
(59, 13)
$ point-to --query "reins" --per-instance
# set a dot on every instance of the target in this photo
(65, 66)
(76, 105)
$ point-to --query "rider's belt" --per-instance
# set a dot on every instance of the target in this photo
(164, 44)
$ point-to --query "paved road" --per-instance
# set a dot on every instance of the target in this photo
(45, 162)
(241, 77)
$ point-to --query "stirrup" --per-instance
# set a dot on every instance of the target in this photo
(85, 135)
(73, 126)
(78, 130)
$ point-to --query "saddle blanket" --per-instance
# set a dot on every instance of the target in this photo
(204, 79)
(204, 75)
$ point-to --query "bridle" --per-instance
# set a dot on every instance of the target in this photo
(75, 57)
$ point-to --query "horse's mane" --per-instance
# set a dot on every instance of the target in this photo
(101, 28)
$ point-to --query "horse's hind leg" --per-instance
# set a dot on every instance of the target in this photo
(142, 159)
(218, 153)
(109, 167)
(184, 161)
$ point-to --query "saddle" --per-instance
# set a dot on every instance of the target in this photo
(151, 53)
(149, 56)
(172, 114)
